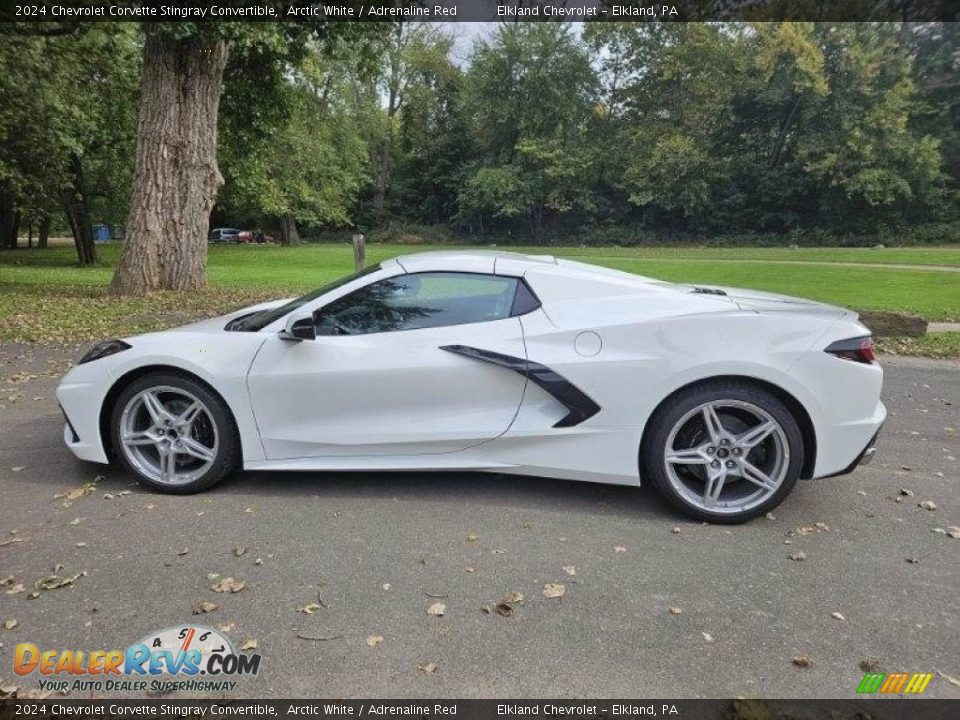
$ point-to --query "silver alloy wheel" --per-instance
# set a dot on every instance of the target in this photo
(726, 456)
(168, 435)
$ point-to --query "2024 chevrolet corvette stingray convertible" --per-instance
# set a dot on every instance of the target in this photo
(721, 399)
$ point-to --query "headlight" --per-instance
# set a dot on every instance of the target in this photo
(103, 349)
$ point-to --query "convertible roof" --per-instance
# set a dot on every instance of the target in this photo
(489, 261)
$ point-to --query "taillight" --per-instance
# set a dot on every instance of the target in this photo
(858, 349)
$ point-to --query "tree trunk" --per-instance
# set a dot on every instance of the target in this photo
(43, 231)
(176, 177)
(8, 219)
(288, 230)
(78, 213)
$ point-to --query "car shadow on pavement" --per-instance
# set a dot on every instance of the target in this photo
(472, 488)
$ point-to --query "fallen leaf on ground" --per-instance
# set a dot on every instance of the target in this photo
(7, 580)
(802, 661)
(837, 616)
(9, 624)
(77, 521)
(954, 532)
(18, 588)
(619, 549)
(250, 644)
(870, 665)
(913, 560)
(228, 584)
(227, 628)
(54, 582)
(426, 667)
(676, 531)
(386, 586)
(437, 609)
(470, 569)
(239, 550)
(212, 576)
(570, 569)
(798, 556)
(11, 541)
(472, 538)
(309, 608)
(927, 505)
(184, 551)
(504, 609)
(554, 590)
(707, 636)
(108, 496)
(512, 597)
(676, 611)
(374, 640)
(81, 544)
(204, 607)
(906, 493)
(18, 468)
(77, 492)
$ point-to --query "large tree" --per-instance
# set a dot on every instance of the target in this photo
(176, 178)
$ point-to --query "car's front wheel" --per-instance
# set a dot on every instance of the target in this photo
(174, 433)
(723, 451)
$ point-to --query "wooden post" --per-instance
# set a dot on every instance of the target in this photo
(359, 252)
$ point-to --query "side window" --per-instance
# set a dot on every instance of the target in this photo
(420, 300)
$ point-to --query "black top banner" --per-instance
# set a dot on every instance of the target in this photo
(451, 11)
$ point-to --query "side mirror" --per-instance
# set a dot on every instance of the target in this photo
(300, 326)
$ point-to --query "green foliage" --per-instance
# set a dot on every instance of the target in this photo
(528, 98)
(63, 97)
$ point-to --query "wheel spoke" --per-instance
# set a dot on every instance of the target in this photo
(691, 456)
(751, 473)
(756, 435)
(140, 437)
(196, 449)
(190, 414)
(168, 464)
(712, 421)
(158, 413)
(713, 487)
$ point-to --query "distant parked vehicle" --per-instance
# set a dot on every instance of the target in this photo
(250, 236)
(225, 235)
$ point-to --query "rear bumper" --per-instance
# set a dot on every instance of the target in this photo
(864, 458)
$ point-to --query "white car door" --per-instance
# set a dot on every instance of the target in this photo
(377, 379)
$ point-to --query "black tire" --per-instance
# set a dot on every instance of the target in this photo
(228, 455)
(653, 448)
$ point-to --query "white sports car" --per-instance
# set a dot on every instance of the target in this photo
(720, 398)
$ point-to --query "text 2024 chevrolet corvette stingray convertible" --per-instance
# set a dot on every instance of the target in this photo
(720, 398)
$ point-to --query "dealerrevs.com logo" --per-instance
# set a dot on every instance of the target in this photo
(188, 658)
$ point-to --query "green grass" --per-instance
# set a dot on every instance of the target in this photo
(43, 295)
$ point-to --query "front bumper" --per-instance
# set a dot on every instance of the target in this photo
(80, 404)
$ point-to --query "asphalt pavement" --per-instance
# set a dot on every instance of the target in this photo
(653, 604)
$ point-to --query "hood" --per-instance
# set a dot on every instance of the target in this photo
(215, 324)
(759, 301)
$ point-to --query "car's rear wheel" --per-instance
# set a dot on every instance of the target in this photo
(723, 451)
(174, 433)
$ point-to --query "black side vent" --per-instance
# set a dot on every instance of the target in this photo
(709, 291)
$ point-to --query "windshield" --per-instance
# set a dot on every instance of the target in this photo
(259, 320)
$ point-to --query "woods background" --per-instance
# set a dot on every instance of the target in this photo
(532, 133)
